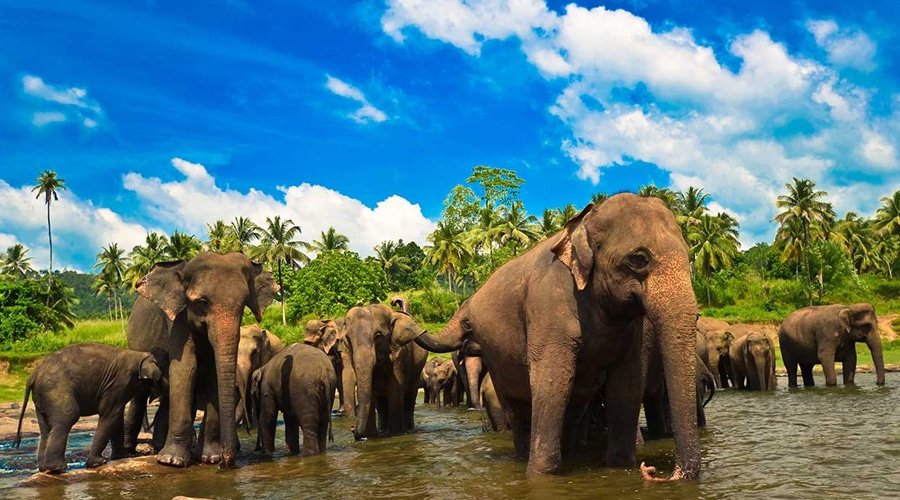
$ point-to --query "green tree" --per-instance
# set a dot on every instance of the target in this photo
(16, 263)
(182, 246)
(278, 245)
(665, 194)
(333, 282)
(549, 223)
(106, 286)
(486, 232)
(245, 232)
(499, 186)
(221, 238)
(517, 227)
(112, 264)
(330, 240)
(392, 261)
(448, 251)
(24, 310)
(887, 217)
(804, 205)
(714, 245)
(598, 198)
(566, 213)
(48, 185)
(461, 207)
(143, 257)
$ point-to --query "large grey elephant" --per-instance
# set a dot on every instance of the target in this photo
(203, 300)
(386, 365)
(256, 347)
(553, 321)
(753, 362)
(82, 380)
(825, 334)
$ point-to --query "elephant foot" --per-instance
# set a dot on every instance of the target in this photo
(212, 453)
(53, 467)
(176, 455)
(94, 462)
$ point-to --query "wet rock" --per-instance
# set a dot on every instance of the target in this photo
(125, 468)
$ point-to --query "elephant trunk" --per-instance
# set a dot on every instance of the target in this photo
(672, 309)
(873, 340)
(224, 337)
(363, 364)
(473, 373)
(714, 367)
(762, 370)
(242, 380)
(450, 338)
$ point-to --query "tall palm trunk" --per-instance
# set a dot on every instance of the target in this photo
(50, 240)
(281, 291)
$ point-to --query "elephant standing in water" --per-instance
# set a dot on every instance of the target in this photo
(444, 385)
(256, 347)
(825, 334)
(753, 362)
(203, 301)
(718, 344)
(325, 335)
(387, 366)
(567, 317)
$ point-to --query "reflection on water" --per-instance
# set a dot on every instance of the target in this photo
(820, 442)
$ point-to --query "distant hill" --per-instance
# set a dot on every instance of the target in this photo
(89, 304)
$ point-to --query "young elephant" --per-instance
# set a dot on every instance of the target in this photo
(444, 386)
(300, 382)
(255, 348)
(79, 381)
(427, 374)
(753, 362)
(718, 342)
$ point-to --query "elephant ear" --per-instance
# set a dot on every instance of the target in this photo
(149, 369)
(262, 290)
(328, 336)
(845, 317)
(574, 250)
(164, 287)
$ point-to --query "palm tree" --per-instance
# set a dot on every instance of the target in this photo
(566, 213)
(112, 264)
(16, 263)
(549, 223)
(183, 246)
(48, 185)
(691, 206)
(598, 198)
(330, 240)
(143, 257)
(665, 194)
(245, 231)
(448, 250)
(518, 227)
(221, 238)
(486, 233)
(887, 218)
(391, 260)
(714, 245)
(105, 286)
(278, 245)
(804, 203)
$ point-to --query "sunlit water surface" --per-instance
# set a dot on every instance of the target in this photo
(839, 442)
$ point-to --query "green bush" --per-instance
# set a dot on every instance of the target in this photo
(24, 310)
(434, 305)
(332, 283)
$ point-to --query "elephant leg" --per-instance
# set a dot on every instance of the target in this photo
(161, 423)
(268, 419)
(182, 379)
(849, 367)
(292, 434)
(134, 417)
(790, 364)
(806, 369)
(622, 397)
(519, 415)
(57, 438)
(348, 381)
(383, 409)
(409, 410)
(310, 430)
(44, 426)
(395, 408)
(322, 425)
(655, 414)
(826, 356)
(551, 379)
(212, 446)
(105, 430)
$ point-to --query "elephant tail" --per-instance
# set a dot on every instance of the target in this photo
(28, 388)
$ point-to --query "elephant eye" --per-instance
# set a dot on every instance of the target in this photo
(639, 260)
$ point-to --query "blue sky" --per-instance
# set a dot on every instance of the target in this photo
(363, 115)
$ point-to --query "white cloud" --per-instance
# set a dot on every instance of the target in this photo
(366, 111)
(6, 241)
(42, 118)
(72, 102)
(79, 226)
(741, 134)
(845, 47)
(196, 200)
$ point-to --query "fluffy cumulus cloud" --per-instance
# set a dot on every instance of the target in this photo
(80, 227)
(733, 132)
(55, 104)
(195, 200)
(366, 112)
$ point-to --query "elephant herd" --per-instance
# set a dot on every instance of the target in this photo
(562, 345)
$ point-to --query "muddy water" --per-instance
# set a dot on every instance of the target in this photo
(793, 443)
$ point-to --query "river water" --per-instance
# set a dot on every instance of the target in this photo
(808, 443)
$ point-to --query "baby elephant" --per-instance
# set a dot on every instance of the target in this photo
(753, 362)
(79, 381)
(300, 382)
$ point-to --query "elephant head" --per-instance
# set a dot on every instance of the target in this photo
(629, 258)
(255, 348)
(759, 361)
(211, 291)
(322, 334)
(718, 342)
(860, 323)
(374, 334)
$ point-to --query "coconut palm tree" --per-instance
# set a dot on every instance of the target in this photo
(221, 238)
(599, 198)
(16, 263)
(48, 185)
(330, 240)
(566, 213)
(182, 246)
(691, 206)
(665, 194)
(391, 260)
(486, 233)
(714, 245)
(805, 204)
(105, 286)
(278, 246)
(143, 257)
(112, 264)
(518, 227)
(448, 251)
(549, 223)
(245, 231)
(887, 218)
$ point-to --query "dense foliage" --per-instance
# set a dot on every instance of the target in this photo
(332, 283)
(29, 306)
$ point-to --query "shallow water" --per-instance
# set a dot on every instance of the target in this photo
(810, 443)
